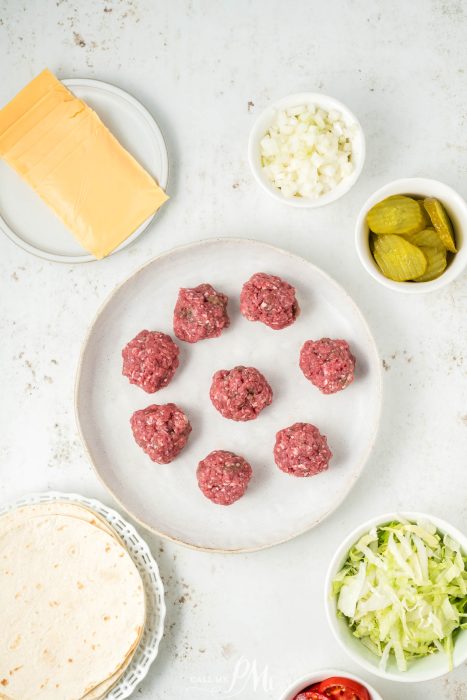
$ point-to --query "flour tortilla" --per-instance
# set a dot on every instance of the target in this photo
(72, 608)
(101, 690)
(20, 515)
(80, 511)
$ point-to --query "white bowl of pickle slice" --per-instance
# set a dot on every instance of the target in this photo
(410, 235)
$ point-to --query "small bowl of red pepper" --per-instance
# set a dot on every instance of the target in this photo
(331, 685)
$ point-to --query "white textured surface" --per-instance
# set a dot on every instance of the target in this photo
(204, 69)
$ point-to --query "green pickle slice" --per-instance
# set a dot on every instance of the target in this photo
(398, 259)
(428, 238)
(441, 222)
(397, 214)
(436, 259)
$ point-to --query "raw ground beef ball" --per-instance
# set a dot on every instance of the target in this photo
(240, 393)
(161, 431)
(269, 299)
(223, 477)
(150, 360)
(328, 364)
(301, 450)
(200, 313)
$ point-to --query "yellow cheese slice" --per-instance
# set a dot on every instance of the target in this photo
(68, 156)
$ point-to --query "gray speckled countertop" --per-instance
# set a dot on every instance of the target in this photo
(205, 69)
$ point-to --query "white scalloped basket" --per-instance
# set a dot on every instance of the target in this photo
(149, 571)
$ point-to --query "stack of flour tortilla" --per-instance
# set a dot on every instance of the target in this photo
(72, 604)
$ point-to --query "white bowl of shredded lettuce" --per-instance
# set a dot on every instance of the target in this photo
(396, 596)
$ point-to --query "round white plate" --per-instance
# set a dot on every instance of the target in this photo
(166, 498)
(29, 222)
(149, 571)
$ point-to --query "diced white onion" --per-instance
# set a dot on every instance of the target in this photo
(307, 151)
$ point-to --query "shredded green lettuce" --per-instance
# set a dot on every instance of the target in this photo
(403, 591)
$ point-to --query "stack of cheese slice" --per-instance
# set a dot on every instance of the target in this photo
(72, 604)
(58, 144)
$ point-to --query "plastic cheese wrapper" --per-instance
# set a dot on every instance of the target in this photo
(65, 153)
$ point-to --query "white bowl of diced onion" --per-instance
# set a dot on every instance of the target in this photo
(423, 668)
(307, 150)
